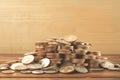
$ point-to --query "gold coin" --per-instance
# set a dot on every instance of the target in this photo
(66, 69)
(70, 38)
(8, 71)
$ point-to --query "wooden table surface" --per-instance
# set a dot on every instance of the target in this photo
(108, 75)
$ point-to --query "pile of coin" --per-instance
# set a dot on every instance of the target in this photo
(64, 55)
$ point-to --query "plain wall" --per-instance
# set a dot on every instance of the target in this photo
(23, 22)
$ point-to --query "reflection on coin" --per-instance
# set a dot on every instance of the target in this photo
(26, 72)
(107, 65)
(34, 66)
(66, 69)
(28, 59)
(45, 62)
(37, 72)
(81, 69)
(4, 66)
(18, 66)
(70, 38)
(8, 71)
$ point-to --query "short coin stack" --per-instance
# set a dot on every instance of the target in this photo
(64, 55)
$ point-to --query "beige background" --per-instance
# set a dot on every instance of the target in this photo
(22, 22)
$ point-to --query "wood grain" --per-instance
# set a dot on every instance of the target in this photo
(22, 22)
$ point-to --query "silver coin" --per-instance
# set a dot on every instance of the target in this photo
(18, 66)
(4, 66)
(81, 69)
(45, 62)
(28, 59)
(26, 72)
(37, 72)
(51, 71)
(107, 65)
(34, 66)
(114, 69)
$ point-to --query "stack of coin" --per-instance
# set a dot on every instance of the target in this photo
(66, 54)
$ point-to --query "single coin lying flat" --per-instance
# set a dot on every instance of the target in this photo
(18, 66)
(66, 69)
(37, 72)
(4, 66)
(70, 38)
(34, 66)
(114, 69)
(8, 71)
(81, 69)
(107, 65)
(51, 69)
(26, 71)
(28, 59)
(45, 62)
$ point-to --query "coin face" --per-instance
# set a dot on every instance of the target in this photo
(18, 66)
(8, 71)
(34, 66)
(45, 62)
(28, 59)
(4, 66)
(107, 65)
(70, 38)
(66, 69)
(37, 72)
(26, 71)
(81, 69)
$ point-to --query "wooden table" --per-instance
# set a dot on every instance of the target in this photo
(107, 75)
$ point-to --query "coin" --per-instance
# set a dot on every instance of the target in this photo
(8, 71)
(70, 38)
(28, 59)
(81, 69)
(26, 72)
(51, 71)
(96, 69)
(18, 66)
(66, 69)
(4, 66)
(34, 66)
(107, 65)
(114, 69)
(37, 72)
(45, 62)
